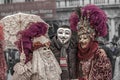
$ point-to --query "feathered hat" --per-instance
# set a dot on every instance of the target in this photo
(25, 37)
(90, 19)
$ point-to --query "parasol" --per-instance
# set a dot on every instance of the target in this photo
(14, 23)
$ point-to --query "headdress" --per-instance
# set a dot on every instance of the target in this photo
(92, 20)
(26, 37)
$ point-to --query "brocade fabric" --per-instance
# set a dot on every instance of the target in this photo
(97, 67)
(3, 66)
(22, 71)
(45, 65)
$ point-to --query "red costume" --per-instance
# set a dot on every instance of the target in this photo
(3, 66)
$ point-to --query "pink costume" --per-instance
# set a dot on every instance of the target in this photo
(93, 63)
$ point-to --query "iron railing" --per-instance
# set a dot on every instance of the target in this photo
(74, 3)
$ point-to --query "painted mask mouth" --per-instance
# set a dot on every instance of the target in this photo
(63, 38)
(83, 43)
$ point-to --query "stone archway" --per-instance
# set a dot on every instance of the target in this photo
(107, 36)
(118, 28)
(119, 31)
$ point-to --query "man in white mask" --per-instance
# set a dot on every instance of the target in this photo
(65, 50)
(64, 35)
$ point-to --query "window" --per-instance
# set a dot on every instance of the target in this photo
(73, 2)
(58, 3)
(7, 1)
(29, 0)
(99, 1)
(65, 2)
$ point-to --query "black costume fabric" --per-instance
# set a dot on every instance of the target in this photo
(70, 52)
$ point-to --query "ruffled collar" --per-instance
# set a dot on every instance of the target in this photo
(88, 52)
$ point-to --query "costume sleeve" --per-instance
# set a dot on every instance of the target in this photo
(102, 66)
(3, 66)
(19, 69)
(54, 49)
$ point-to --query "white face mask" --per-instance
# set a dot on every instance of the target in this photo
(64, 35)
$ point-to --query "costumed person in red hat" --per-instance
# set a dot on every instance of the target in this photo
(3, 66)
(35, 43)
(93, 63)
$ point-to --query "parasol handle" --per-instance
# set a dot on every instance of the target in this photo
(22, 47)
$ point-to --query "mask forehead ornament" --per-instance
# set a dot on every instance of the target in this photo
(84, 27)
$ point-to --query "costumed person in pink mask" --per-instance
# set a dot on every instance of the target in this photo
(3, 66)
(36, 43)
(93, 63)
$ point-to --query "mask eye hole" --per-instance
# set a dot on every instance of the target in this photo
(44, 48)
(67, 32)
